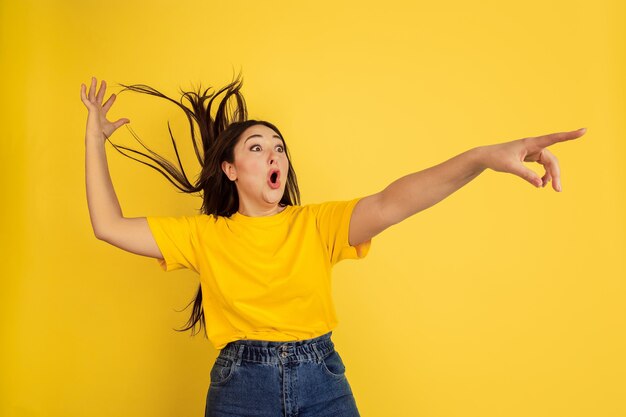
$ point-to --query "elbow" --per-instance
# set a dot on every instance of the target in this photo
(103, 231)
(100, 234)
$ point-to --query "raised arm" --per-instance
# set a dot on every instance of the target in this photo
(420, 190)
(107, 221)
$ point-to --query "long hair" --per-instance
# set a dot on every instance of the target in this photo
(218, 136)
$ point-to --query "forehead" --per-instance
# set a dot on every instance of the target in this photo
(258, 131)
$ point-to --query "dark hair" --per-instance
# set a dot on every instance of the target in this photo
(218, 136)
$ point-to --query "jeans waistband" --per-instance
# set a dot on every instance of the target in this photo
(264, 351)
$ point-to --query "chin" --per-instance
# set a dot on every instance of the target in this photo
(273, 200)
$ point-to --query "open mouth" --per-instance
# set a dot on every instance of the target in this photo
(274, 179)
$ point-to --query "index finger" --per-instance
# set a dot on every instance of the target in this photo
(547, 140)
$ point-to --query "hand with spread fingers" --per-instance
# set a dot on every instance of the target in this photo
(97, 122)
(508, 157)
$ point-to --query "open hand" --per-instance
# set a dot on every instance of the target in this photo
(97, 122)
(508, 157)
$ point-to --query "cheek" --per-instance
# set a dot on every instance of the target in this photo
(251, 168)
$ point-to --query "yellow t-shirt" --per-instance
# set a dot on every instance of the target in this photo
(264, 278)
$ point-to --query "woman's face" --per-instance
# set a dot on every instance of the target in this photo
(259, 169)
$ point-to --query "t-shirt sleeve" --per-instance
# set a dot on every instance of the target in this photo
(333, 223)
(177, 238)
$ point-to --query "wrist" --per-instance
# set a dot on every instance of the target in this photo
(95, 136)
(480, 155)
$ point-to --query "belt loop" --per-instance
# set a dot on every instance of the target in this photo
(239, 354)
(317, 353)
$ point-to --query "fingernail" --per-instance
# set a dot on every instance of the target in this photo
(558, 187)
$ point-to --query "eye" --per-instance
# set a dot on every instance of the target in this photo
(280, 148)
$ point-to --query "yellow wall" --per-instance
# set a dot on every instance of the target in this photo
(502, 300)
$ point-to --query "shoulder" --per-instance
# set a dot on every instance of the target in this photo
(205, 222)
(333, 205)
(330, 211)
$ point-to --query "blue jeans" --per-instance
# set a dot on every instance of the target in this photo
(301, 378)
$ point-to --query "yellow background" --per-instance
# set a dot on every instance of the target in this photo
(502, 300)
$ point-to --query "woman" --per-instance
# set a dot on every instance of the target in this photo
(265, 261)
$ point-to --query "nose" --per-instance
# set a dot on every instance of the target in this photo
(273, 157)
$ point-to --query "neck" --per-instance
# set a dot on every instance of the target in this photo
(260, 211)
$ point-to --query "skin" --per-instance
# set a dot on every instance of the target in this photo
(97, 118)
(374, 213)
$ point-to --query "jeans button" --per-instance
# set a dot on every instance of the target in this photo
(284, 354)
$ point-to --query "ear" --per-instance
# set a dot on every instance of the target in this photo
(229, 170)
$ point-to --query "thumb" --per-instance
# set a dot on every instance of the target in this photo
(527, 174)
(120, 122)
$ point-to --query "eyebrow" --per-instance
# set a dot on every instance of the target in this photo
(256, 135)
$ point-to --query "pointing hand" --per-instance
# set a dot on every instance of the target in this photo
(508, 157)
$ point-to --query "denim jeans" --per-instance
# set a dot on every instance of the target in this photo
(302, 378)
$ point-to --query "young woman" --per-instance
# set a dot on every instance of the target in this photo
(264, 260)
